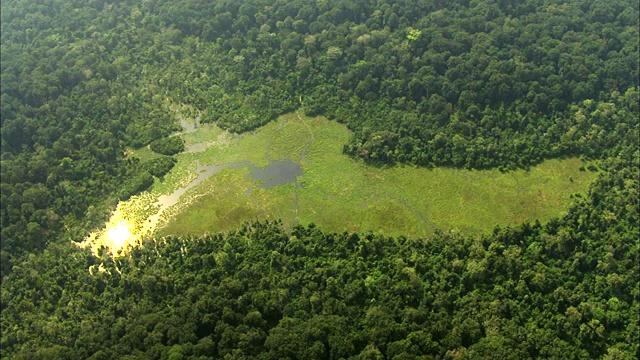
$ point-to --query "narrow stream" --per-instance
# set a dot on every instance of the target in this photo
(277, 172)
(119, 232)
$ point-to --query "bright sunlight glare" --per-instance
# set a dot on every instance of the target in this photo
(117, 236)
(119, 232)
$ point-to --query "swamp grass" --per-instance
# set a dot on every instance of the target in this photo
(339, 193)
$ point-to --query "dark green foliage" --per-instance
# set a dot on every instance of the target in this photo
(499, 78)
(160, 166)
(475, 85)
(168, 146)
(141, 182)
(566, 290)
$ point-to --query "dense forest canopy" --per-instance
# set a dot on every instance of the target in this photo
(474, 84)
(566, 290)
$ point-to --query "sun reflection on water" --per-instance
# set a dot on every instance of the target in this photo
(119, 233)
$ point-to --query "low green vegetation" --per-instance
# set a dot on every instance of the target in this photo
(144, 154)
(339, 193)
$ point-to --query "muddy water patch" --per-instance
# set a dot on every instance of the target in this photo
(189, 126)
(207, 136)
(203, 172)
(199, 147)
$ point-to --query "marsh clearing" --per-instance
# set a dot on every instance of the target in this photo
(339, 193)
(293, 169)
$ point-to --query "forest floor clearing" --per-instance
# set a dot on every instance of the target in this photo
(334, 191)
(339, 193)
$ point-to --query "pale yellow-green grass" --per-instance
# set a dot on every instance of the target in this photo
(144, 153)
(339, 193)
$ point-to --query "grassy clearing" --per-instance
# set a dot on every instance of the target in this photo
(342, 194)
(145, 154)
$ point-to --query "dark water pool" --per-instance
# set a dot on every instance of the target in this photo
(278, 172)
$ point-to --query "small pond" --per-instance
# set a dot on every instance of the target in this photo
(278, 172)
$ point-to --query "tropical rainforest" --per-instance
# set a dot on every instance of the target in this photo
(473, 84)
